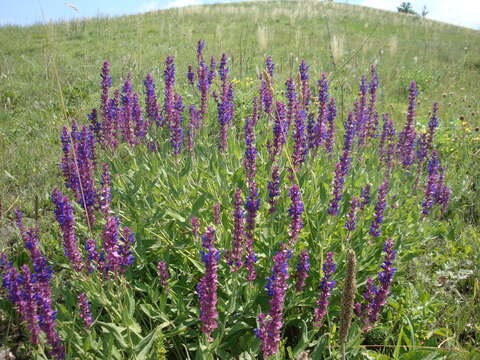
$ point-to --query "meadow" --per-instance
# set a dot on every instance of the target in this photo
(186, 210)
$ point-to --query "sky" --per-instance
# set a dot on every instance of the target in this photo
(26, 12)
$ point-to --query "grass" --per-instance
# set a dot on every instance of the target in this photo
(50, 75)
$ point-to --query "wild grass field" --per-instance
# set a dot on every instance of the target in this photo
(50, 77)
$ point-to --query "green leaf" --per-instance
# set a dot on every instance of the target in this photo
(175, 215)
(143, 347)
(116, 331)
(303, 342)
(396, 353)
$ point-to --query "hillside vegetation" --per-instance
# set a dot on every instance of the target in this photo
(45, 69)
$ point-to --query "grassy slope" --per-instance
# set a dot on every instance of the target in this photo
(43, 66)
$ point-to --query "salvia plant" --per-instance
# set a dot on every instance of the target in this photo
(195, 223)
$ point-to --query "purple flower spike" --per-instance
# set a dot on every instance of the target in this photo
(176, 131)
(406, 139)
(203, 86)
(361, 113)
(95, 126)
(85, 313)
(151, 105)
(27, 304)
(273, 187)
(105, 192)
(279, 132)
(169, 92)
(223, 68)
(376, 297)
(303, 71)
(372, 114)
(207, 287)
(212, 72)
(342, 167)
(127, 111)
(270, 327)
(78, 166)
(300, 146)
(303, 267)
(225, 109)
(291, 102)
(163, 273)
(380, 206)
(111, 246)
(432, 125)
(365, 196)
(322, 110)
(64, 216)
(200, 47)
(331, 115)
(295, 211)
(43, 272)
(387, 136)
(269, 66)
(326, 286)
(92, 254)
(125, 249)
(266, 97)
(352, 215)
(191, 75)
(106, 83)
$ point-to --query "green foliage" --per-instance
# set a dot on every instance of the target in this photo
(407, 8)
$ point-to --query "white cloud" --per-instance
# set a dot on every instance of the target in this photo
(156, 5)
(458, 12)
(149, 6)
(181, 3)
